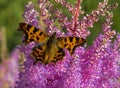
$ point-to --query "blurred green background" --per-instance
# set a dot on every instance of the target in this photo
(11, 14)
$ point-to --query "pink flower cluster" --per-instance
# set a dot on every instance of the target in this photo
(95, 66)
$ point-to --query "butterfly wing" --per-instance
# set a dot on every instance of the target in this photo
(70, 43)
(32, 33)
(56, 55)
(38, 53)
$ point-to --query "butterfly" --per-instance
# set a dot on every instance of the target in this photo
(49, 48)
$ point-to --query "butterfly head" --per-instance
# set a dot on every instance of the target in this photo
(21, 26)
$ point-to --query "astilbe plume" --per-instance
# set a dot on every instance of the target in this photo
(95, 66)
(9, 68)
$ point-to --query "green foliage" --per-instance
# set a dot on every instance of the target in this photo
(89, 5)
(10, 15)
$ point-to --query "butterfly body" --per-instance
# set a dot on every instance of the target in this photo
(52, 48)
(48, 52)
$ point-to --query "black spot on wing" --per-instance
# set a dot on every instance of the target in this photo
(37, 37)
(71, 39)
(77, 39)
(31, 33)
(68, 49)
(74, 48)
(41, 33)
(60, 50)
(28, 27)
(59, 56)
(31, 40)
(35, 30)
(65, 45)
(65, 39)
(39, 58)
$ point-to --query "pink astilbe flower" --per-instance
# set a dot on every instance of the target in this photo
(31, 14)
(95, 66)
(9, 70)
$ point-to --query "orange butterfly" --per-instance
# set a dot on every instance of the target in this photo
(50, 48)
